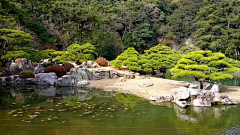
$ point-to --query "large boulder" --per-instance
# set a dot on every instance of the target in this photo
(46, 78)
(23, 64)
(203, 99)
(14, 69)
(68, 80)
(181, 96)
(82, 73)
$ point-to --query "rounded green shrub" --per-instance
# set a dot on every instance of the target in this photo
(102, 61)
(68, 66)
(57, 69)
(26, 74)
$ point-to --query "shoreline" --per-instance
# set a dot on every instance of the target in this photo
(160, 87)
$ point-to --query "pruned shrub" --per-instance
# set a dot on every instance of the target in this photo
(26, 74)
(102, 61)
(57, 69)
(68, 66)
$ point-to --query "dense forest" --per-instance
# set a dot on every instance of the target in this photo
(112, 26)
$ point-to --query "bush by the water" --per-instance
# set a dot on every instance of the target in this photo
(59, 70)
(26, 74)
(102, 61)
(68, 66)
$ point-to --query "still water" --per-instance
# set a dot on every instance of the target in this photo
(235, 81)
(38, 110)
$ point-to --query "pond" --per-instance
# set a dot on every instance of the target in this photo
(235, 81)
(43, 110)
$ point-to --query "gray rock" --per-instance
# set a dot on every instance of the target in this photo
(25, 80)
(146, 85)
(83, 83)
(195, 85)
(67, 80)
(82, 73)
(129, 76)
(14, 69)
(202, 100)
(46, 78)
(39, 69)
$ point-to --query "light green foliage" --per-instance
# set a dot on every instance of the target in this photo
(14, 54)
(75, 52)
(15, 37)
(235, 63)
(204, 65)
(161, 57)
(128, 58)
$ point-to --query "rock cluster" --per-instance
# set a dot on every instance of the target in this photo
(103, 73)
(88, 74)
(21, 64)
(14, 68)
(194, 96)
(89, 64)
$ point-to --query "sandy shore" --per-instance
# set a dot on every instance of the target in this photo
(160, 87)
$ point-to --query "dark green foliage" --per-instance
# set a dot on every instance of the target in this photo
(204, 65)
(26, 74)
(187, 49)
(102, 61)
(218, 27)
(59, 70)
(68, 66)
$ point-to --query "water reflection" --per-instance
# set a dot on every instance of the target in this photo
(30, 109)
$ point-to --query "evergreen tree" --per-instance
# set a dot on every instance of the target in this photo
(128, 58)
(204, 65)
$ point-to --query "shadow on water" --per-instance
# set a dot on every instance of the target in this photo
(235, 81)
(26, 110)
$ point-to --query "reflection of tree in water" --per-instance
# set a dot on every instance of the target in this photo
(128, 100)
(203, 120)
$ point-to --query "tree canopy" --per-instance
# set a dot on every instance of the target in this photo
(204, 65)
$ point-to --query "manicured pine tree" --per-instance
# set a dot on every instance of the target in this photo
(128, 58)
(204, 65)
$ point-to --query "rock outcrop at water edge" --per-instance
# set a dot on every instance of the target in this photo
(46, 78)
